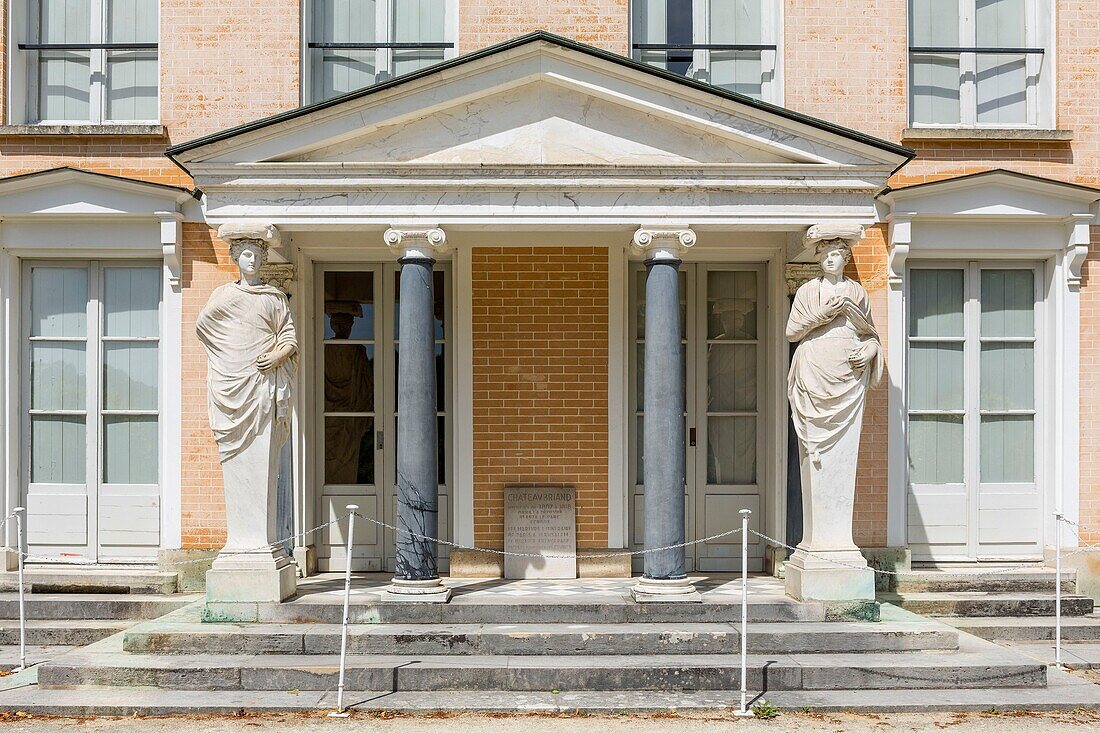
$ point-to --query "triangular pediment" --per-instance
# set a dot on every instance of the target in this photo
(72, 191)
(541, 101)
(993, 194)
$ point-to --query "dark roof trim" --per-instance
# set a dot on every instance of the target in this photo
(584, 48)
(122, 179)
(993, 171)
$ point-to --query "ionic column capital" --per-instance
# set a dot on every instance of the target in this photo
(424, 242)
(663, 243)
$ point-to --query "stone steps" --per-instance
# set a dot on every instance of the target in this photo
(45, 579)
(36, 654)
(329, 610)
(536, 639)
(1018, 580)
(61, 632)
(978, 604)
(976, 664)
(59, 606)
(1030, 628)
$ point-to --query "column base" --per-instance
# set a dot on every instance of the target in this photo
(676, 590)
(267, 576)
(417, 591)
(815, 578)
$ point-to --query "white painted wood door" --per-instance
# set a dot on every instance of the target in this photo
(91, 410)
(974, 420)
(722, 322)
(356, 396)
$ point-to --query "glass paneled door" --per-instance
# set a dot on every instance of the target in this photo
(973, 417)
(92, 411)
(356, 392)
(721, 319)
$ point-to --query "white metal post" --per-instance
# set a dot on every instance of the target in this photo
(340, 712)
(1058, 516)
(745, 513)
(18, 513)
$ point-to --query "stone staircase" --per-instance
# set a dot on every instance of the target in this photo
(538, 645)
(59, 623)
(975, 592)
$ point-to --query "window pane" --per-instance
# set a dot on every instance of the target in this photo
(934, 88)
(731, 450)
(1008, 376)
(349, 450)
(738, 71)
(665, 22)
(934, 22)
(731, 305)
(64, 82)
(349, 378)
(131, 301)
(418, 21)
(345, 70)
(131, 85)
(936, 302)
(345, 21)
(65, 21)
(130, 376)
(130, 449)
(1008, 303)
(1002, 88)
(349, 305)
(737, 23)
(58, 373)
(59, 301)
(1000, 23)
(935, 449)
(1008, 449)
(338, 71)
(731, 377)
(57, 449)
(936, 376)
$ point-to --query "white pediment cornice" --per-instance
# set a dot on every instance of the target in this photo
(74, 193)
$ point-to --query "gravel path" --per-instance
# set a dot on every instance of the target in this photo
(788, 722)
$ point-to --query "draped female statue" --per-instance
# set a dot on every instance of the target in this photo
(251, 348)
(838, 358)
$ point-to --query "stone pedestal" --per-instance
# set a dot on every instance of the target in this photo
(674, 590)
(839, 575)
(431, 590)
(252, 577)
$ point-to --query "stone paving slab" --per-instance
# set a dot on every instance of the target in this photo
(1064, 692)
(1075, 654)
(9, 654)
(63, 606)
(61, 632)
(984, 579)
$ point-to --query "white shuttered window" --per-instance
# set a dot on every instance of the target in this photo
(92, 61)
(980, 63)
(357, 43)
(973, 381)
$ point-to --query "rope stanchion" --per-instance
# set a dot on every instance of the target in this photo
(18, 514)
(1058, 589)
(340, 711)
(744, 711)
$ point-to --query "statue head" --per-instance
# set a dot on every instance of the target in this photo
(833, 255)
(249, 255)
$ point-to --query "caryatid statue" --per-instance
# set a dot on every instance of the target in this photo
(251, 350)
(838, 357)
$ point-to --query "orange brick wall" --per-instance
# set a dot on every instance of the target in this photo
(1090, 393)
(206, 265)
(602, 23)
(540, 330)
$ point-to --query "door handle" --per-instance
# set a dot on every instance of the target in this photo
(379, 439)
(691, 437)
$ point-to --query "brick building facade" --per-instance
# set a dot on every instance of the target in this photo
(540, 159)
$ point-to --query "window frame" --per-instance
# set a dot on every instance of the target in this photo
(25, 66)
(1039, 52)
(771, 36)
(384, 46)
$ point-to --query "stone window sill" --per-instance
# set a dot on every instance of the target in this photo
(966, 133)
(113, 130)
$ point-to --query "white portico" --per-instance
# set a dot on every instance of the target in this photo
(542, 142)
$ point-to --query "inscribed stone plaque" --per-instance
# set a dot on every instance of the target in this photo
(540, 519)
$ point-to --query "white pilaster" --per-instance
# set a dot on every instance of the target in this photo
(900, 238)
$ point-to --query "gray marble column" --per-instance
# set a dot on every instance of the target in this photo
(665, 577)
(417, 572)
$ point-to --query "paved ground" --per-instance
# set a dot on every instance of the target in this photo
(709, 723)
